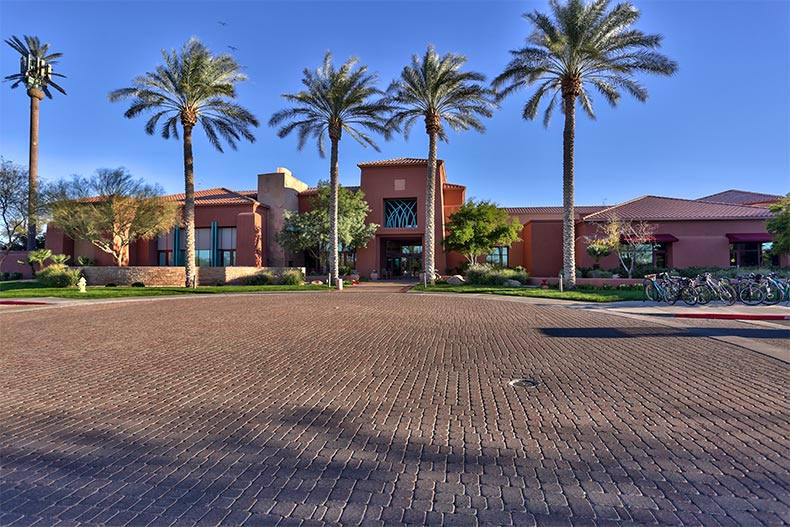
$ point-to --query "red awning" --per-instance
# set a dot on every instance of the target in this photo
(656, 238)
(749, 237)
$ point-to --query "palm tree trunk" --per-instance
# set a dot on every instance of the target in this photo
(568, 226)
(189, 209)
(32, 190)
(430, 208)
(333, 183)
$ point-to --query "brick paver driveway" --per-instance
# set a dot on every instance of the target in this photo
(383, 409)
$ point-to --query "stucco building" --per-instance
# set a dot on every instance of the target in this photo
(237, 228)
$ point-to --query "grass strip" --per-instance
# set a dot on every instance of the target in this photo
(36, 290)
(587, 295)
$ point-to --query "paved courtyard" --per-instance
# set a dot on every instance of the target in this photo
(385, 409)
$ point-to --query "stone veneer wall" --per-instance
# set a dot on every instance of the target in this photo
(172, 276)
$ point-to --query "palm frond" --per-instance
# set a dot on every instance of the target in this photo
(191, 80)
(434, 86)
(584, 44)
(346, 95)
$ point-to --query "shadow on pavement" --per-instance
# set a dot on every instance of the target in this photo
(625, 333)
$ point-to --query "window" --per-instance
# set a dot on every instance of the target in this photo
(227, 246)
(202, 247)
(655, 254)
(750, 254)
(400, 213)
(498, 257)
(164, 249)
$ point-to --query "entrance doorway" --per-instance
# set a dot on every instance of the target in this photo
(402, 258)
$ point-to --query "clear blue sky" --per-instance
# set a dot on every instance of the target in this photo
(720, 123)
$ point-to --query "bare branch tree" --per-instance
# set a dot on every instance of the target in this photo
(627, 239)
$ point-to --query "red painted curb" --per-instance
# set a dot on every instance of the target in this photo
(21, 303)
(732, 316)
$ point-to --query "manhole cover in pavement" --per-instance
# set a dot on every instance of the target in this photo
(524, 383)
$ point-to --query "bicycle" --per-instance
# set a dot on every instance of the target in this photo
(711, 288)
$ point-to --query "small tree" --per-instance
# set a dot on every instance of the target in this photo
(36, 257)
(626, 239)
(598, 249)
(779, 226)
(477, 227)
(112, 210)
(310, 231)
(13, 208)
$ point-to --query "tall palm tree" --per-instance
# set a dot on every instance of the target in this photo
(582, 45)
(192, 87)
(335, 100)
(433, 88)
(36, 74)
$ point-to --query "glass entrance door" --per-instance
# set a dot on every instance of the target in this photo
(402, 258)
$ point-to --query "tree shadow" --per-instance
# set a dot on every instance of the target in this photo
(333, 466)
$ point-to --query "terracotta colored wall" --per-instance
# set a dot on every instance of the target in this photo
(280, 192)
(10, 264)
(250, 231)
(546, 248)
(378, 183)
(246, 218)
(57, 242)
(700, 243)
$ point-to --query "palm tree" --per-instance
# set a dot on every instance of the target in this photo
(36, 74)
(434, 88)
(192, 87)
(583, 45)
(335, 100)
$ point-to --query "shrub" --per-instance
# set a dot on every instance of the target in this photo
(138, 284)
(85, 261)
(345, 270)
(477, 274)
(261, 278)
(60, 259)
(58, 275)
(110, 285)
(598, 273)
(10, 276)
(291, 277)
(487, 275)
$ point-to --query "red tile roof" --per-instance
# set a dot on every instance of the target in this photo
(740, 197)
(579, 210)
(218, 196)
(657, 208)
(454, 186)
(397, 162)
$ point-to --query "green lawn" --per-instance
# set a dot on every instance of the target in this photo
(36, 290)
(587, 295)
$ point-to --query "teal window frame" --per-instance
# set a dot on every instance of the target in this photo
(400, 213)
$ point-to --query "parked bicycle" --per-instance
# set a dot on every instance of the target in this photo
(669, 289)
(709, 288)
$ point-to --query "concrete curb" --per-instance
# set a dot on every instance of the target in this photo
(731, 316)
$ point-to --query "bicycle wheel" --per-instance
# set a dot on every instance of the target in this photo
(689, 296)
(771, 294)
(727, 294)
(703, 294)
(672, 294)
(650, 291)
(751, 295)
